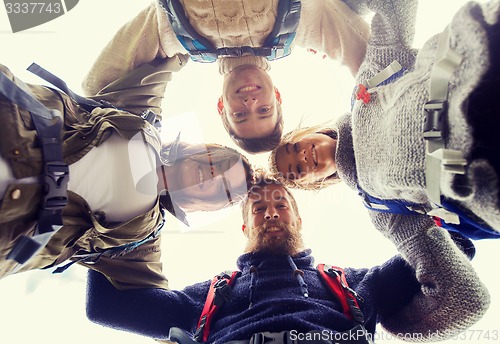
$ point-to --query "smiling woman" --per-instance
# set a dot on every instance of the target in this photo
(206, 177)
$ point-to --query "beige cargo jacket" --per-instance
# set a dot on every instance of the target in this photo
(83, 231)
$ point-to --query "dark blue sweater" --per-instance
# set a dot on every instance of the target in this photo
(268, 299)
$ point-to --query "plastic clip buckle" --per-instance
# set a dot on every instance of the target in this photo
(433, 119)
(149, 116)
(222, 292)
(271, 337)
(56, 177)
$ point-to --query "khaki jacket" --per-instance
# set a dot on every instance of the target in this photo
(83, 232)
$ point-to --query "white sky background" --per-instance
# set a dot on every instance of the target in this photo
(37, 307)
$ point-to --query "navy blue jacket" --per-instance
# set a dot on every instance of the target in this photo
(267, 299)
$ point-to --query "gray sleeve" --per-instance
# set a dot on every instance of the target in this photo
(451, 296)
(392, 34)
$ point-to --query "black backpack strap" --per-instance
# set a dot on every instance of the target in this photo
(48, 125)
(87, 103)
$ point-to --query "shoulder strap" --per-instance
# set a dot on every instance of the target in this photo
(87, 103)
(334, 278)
(219, 292)
(48, 125)
(276, 45)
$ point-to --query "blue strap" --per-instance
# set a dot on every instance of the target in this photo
(276, 45)
(468, 227)
(390, 206)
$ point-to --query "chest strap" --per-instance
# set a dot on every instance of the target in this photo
(48, 124)
(438, 158)
(384, 77)
(113, 252)
(276, 45)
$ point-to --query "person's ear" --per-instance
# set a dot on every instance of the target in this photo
(278, 95)
(299, 221)
(244, 229)
(220, 105)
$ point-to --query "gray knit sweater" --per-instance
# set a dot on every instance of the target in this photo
(381, 148)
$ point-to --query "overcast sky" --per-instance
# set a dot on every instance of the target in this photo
(37, 307)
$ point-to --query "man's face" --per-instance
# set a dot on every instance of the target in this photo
(250, 102)
(272, 224)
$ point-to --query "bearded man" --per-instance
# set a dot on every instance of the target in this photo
(280, 296)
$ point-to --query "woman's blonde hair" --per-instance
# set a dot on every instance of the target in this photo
(293, 137)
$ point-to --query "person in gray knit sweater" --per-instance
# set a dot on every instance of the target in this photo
(383, 149)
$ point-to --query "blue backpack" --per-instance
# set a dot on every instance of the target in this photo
(276, 45)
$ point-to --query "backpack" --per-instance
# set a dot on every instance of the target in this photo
(220, 292)
(276, 45)
(48, 125)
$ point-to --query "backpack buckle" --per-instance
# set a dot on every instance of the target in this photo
(271, 337)
(434, 111)
(222, 292)
(56, 177)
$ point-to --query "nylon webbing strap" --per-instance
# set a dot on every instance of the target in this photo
(384, 74)
(88, 104)
(48, 125)
(215, 299)
(277, 44)
(438, 158)
(113, 252)
(335, 279)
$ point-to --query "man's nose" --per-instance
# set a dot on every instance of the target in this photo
(249, 101)
(271, 214)
(303, 155)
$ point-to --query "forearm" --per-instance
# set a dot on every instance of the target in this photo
(451, 297)
(143, 88)
(149, 311)
(332, 27)
(136, 43)
(393, 23)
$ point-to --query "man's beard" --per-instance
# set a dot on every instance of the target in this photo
(288, 242)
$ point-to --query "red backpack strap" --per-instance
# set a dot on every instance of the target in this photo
(334, 278)
(219, 292)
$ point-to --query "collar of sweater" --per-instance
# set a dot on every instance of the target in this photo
(228, 64)
(271, 261)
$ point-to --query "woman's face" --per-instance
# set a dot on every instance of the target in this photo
(250, 102)
(312, 158)
(210, 183)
